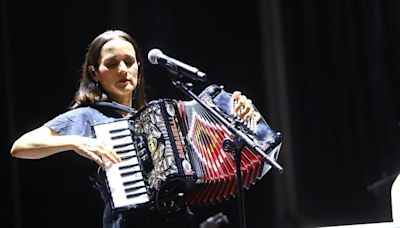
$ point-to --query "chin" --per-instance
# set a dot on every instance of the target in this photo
(130, 88)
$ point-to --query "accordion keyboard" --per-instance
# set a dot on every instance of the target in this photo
(125, 180)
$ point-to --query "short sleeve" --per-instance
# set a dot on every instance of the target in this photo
(73, 122)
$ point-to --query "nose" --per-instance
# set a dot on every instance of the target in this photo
(122, 68)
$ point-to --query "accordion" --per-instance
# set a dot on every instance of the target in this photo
(172, 153)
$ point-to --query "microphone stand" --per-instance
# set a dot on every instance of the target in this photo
(236, 145)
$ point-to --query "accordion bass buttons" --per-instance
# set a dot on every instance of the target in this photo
(187, 167)
(170, 109)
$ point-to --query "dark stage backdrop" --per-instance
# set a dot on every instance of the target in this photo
(324, 73)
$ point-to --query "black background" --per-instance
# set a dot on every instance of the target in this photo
(324, 73)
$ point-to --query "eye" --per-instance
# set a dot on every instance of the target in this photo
(112, 65)
(129, 63)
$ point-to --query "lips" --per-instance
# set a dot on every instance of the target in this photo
(124, 80)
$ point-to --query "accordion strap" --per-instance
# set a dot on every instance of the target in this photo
(114, 106)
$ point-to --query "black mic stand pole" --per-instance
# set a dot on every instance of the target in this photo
(236, 147)
(240, 140)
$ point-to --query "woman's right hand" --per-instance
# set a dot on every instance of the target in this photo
(95, 150)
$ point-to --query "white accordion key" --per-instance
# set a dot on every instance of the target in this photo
(124, 179)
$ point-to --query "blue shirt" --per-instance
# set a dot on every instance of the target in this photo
(79, 122)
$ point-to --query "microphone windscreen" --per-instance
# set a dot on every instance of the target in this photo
(154, 55)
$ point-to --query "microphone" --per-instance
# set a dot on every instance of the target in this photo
(174, 66)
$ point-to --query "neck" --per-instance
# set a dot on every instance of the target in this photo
(127, 101)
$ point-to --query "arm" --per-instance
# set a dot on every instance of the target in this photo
(43, 142)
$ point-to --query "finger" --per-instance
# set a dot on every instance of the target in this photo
(256, 116)
(109, 153)
(248, 107)
(116, 156)
(97, 159)
(244, 111)
(241, 102)
(106, 154)
(112, 156)
(249, 110)
(236, 95)
(85, 153)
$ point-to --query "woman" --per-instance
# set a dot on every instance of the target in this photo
(112, 72)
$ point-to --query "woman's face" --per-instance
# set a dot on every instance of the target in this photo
(118, 70)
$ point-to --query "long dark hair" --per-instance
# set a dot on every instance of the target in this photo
(89, 91)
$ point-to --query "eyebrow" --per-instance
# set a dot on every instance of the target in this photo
(112, 57)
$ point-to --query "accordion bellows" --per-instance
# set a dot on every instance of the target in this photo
(173, 154)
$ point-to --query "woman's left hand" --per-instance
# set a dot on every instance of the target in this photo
(243, 107)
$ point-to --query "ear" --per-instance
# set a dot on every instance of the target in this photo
(94, 73)
(95, 76)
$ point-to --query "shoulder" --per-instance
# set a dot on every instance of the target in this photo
(81, 114)
(81, 111)
(90, 114)
(77, 121)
